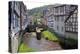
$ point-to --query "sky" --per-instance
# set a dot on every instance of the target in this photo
(37, 3)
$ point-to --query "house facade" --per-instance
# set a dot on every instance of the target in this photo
(71, 23)
(58, 16)
(17, 23)
(48, 17)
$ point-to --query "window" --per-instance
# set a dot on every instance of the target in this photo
(62, 18)
(16, 21)
(74, 19)
(57, 28)
(68, 28)
(51, 17)
(51, 24)
(17, 5)
(73, 30)
(71, 19)
(56, 10)
(74, 15)
(56, 18)
(61, 9)
(62, 29)
(76, 29)
(12, 20)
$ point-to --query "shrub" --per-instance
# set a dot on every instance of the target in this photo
(50, 36)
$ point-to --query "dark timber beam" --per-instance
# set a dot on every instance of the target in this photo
(71, 12)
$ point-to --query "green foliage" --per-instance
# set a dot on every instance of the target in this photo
(36, 17)
(38, 9)
(49, 35)
(37, 13)
(25, 48)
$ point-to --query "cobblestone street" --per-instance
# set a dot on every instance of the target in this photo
(40, 45)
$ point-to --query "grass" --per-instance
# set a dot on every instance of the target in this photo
(50, 36)
(25, 48)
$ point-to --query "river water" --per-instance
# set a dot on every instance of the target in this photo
(40, 45)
